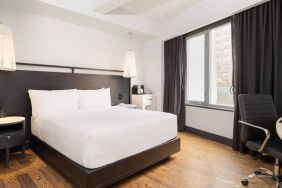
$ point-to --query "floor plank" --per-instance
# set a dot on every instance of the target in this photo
(200, 164)
(25, 181)
(2, 185)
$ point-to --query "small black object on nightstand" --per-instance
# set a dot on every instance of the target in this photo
(12, 134)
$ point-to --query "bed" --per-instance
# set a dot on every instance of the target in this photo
(95, 138)
(96, 148)
(123, 145)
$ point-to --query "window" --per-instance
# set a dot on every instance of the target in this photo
(209, 74)
(196, 74)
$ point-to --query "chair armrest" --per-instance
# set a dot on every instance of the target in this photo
(267, 134)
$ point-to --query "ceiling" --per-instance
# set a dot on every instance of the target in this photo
(146, 19)
(139, 16)
(154, 10)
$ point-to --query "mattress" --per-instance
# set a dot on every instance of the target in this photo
(95, 138)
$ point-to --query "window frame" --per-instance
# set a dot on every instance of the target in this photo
(206, 31)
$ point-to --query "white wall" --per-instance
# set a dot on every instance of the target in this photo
(152, 69)
(213, 121)
(45, 40)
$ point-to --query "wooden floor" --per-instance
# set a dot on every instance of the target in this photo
(200, 164)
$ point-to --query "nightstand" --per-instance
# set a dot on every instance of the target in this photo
(144, 101)
(12, 134)
(127, 105)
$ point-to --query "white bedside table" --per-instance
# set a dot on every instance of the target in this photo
(144, 101)
(127, 105)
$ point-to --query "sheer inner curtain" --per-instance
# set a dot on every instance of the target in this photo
(175, 78)
(257, 45)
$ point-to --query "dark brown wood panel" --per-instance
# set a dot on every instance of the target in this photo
(119, 88)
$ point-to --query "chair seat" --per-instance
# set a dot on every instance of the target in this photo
(272, 148)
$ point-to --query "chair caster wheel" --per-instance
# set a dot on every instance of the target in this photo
(245, 182)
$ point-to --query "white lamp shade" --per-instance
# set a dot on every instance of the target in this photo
(7, 50)
(129, 69)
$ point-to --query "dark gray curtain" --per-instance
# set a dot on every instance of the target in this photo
(257, 53)
(175, 78)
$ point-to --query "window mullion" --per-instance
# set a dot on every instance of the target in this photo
(207, 65)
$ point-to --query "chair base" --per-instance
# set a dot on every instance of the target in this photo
(265, 173)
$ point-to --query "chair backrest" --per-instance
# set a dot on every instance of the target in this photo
(258, 110)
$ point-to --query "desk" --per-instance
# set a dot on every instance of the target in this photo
(279, 127)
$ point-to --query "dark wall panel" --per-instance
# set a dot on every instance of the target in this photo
(120, 87)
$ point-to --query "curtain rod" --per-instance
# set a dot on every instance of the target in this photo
(251, 6)
(67, 67)
(228, 17)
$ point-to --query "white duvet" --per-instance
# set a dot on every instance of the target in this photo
(94, 138)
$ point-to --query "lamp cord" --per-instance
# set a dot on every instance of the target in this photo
(131, 41)
(1, 19)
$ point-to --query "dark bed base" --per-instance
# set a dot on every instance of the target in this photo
(106, 175)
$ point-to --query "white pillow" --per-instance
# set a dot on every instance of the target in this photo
(94, 99)
(46, 102)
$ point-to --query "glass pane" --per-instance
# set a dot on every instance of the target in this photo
(196, 71)
(221, 66)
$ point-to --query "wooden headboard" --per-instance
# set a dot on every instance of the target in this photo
(14, 87)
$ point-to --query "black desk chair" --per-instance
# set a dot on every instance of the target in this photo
(258, 132)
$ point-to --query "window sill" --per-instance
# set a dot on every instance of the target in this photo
(212, 107)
